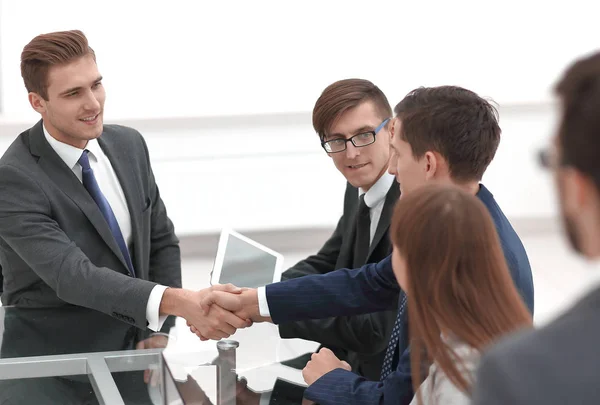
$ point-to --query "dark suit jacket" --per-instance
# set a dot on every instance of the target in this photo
(57, 248)
(368, 289)
(362, 338)
(556, 364)
(30, 332)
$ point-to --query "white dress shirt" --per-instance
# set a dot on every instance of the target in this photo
(582, 286)
(112, 190)
(590, 281)
(374, 199)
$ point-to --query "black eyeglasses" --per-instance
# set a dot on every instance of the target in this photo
(548, 158)
(358, 140)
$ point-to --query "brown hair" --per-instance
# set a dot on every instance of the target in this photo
(457, 276)
(456, 123)
(579, 128)
(343, 95)
(47, 50)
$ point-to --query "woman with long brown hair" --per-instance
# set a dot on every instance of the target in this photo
(448, 259)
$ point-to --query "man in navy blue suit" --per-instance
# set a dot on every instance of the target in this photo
(445, 134)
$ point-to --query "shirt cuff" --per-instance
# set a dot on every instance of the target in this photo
(263, 305)
(155, 321)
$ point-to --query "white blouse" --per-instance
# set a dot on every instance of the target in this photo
(438, 389)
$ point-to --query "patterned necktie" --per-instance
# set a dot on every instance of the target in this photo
(388, 360)
(363, 233)
(91, 185)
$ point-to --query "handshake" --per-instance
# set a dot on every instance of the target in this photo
(218, 311)
(215, 312)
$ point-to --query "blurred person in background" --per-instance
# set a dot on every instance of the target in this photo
(558, 363)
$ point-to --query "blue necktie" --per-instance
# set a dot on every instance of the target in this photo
(388, 360)
(91, 185)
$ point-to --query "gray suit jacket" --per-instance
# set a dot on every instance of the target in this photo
(557, 364)
(55, 245)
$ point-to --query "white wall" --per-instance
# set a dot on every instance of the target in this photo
(189, 58)
(223, 90)
(269, 172)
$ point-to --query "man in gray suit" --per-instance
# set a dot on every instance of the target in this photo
(81, 218)
(558, 364)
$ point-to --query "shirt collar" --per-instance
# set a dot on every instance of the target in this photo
(591, 281)
(378, 191)
(70, 154)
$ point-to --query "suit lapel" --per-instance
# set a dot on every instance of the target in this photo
(120, 161)
(386, 215)
(66, 180)
(346, 257)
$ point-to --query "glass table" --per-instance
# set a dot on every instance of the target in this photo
(49, 356)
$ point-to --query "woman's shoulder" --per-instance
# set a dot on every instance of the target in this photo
(467, 355)
(443, 390)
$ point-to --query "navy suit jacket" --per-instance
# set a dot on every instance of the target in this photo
(374, 288)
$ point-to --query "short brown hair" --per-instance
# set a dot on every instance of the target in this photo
(47, 50)
(343, 95)
(579, 128)
(463, 286)
(456, 123)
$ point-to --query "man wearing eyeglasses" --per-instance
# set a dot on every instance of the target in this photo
(444, 134)
(351, 118)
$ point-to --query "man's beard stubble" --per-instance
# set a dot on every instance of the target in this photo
(571, 231)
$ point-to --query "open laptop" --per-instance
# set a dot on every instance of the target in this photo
(244, 262)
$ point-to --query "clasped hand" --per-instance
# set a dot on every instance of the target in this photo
(224, 309)
(322, 363)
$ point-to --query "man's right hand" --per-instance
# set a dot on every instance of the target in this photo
(215, 323)
(244, 305)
